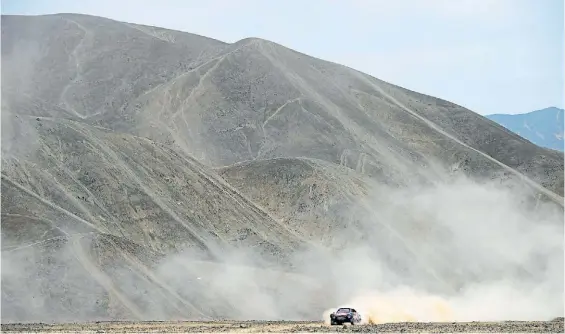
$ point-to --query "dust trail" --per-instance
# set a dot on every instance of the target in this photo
(459, 250)
(502, 255)
(402, 305)
(142, 269)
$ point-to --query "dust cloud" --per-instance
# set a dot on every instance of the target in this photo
(461, 250)
(486, 253)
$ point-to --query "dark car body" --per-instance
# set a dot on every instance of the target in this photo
(345, 314)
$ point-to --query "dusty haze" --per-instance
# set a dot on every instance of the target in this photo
(150, 174)
(482, 262)
(466, 260)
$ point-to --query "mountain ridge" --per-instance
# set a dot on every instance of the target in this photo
(543, 127)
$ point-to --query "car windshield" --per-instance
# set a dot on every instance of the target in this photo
(343, 310)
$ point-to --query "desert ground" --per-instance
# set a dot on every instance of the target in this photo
(554, 326)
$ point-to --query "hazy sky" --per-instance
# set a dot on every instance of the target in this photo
(492, 56)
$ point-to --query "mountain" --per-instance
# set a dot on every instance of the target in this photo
(156, 174)
(542, 127)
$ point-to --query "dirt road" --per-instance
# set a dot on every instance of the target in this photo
(555, 326)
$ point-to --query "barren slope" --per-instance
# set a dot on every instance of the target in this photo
(254, 99)
(120, 184)
(91, 65)
(308, 195)
(154, 174)
(74, 183)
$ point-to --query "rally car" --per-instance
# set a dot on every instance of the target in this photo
(345, 314)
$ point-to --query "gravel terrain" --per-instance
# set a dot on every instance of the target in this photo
(292, 327)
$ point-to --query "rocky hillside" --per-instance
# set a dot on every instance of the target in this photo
(126, 146)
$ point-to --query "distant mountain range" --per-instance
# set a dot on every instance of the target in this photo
(542, 127)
